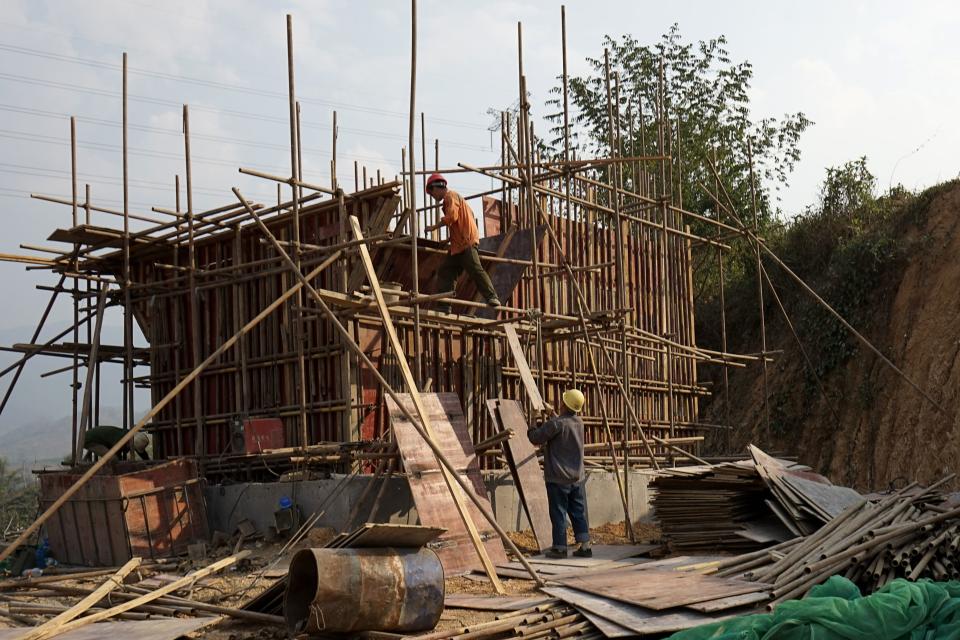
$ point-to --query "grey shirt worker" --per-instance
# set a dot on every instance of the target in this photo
(562, 437)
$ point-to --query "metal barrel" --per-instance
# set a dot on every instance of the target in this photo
(377, 589)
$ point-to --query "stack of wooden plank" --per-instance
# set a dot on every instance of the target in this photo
(710, 508)
(743, 505)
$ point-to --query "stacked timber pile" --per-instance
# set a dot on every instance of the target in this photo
(743, 505)
(904, 535)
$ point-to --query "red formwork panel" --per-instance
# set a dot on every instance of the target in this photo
(261, 434)
(129, 510)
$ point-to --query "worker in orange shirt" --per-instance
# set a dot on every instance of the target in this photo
(464, 238)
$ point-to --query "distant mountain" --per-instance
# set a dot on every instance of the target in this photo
(44, 442)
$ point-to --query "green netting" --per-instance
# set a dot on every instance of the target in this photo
(902, 610)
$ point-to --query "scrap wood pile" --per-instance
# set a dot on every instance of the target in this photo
(913, 533)
(743, 505)
(55, 605)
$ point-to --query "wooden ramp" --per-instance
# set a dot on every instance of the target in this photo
(435, 505)
(525, 467)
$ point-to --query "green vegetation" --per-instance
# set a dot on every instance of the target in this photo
(850, 247)
(18, 498)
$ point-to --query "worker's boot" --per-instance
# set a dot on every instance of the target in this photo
(584, 551)
(555, 554)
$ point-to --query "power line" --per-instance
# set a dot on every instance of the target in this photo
(209, 109)
(89, 62)
(40, 113)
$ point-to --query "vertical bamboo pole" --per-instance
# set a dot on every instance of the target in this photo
(723, 315)
(177, 329)
(333, 161)
(75, 383)
(763, 320)
(414, 216)
(526, 153)
(128, 408)
(297, 304)
(196, 389)
(566, 178)
(613, 180)
(96, 414)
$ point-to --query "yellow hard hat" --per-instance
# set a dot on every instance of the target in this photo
(574, 399)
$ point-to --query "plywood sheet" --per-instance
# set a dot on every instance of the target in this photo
(525, 467)
(161, 629)
(394, 535)
(492, 603)
(660, 589)
(641, 620)
(431, 495)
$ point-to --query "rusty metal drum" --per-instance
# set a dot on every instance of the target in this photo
(377, 589)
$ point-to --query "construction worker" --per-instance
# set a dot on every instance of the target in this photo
(101, 439)
(562, 440)
(464, 238)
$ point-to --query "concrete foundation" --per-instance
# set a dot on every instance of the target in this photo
(229, 504)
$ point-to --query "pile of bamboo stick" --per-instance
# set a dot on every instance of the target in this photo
(908, 534)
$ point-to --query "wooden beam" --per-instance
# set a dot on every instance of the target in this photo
(533, 391)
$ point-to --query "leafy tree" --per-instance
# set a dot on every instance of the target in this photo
(705, 97)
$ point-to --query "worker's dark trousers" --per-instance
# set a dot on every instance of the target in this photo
(568, 500)
(455, 264)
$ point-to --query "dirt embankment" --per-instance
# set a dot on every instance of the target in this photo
(880, 429)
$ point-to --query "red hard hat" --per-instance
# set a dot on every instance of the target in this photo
(436, 180)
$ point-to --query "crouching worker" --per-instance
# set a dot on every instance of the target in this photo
(562, 440)
(464, 239)
(101, 439)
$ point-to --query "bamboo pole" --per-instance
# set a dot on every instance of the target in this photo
(295, 186)
(128, 409)
(92, 363)
(415, 217)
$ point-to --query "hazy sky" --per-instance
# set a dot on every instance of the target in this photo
(880, 79)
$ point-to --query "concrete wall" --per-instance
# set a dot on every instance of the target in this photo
(229, 504)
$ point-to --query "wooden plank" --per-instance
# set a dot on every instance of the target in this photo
(641, 620)
(415, 399)
(52, 627)
(394, 535)
(533, 391)
(434, 503)
(527, 475)
(608, 628)
(660, 589)
(492, 603)
(731, 602)
(162, 629)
